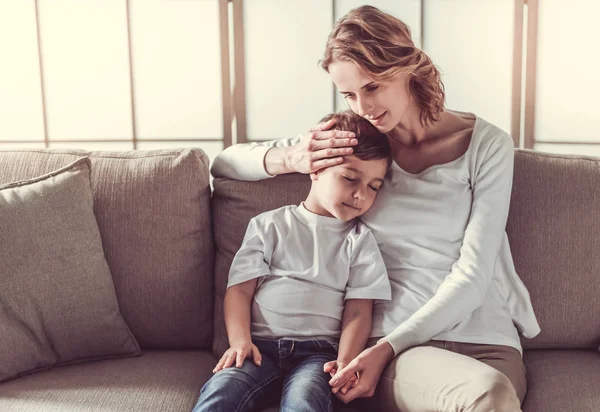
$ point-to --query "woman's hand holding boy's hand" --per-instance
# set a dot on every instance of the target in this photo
(344, 385)
(238, 352)
(369, 366)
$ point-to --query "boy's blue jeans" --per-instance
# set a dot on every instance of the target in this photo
(291, 368)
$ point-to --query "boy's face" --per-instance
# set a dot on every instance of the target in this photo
(347, 190)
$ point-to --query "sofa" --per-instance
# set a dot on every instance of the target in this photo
(169, 235)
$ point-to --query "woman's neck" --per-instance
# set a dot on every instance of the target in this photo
(410, 131)
(413, 133)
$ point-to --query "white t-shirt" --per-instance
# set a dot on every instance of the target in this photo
(307, 266)
(442, 236)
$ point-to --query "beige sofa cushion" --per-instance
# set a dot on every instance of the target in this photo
(234, 204)
(562, 380)
(153, 211)
(57, 299)
(554, 233)
(161, 381)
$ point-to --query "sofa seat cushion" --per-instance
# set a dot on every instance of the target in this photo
(166, 381)
(153, 212)
(562, 380)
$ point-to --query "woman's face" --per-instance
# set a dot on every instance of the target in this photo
(383, 103)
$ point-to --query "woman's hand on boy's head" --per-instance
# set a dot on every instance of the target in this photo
(320, 148)
(237, 353)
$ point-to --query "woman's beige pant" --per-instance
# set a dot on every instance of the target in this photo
(451, 376)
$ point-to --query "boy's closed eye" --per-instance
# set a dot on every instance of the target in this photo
(351, 179)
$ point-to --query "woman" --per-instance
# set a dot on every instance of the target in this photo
(448, 340)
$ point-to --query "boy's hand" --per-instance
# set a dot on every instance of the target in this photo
(238, 353)
(343, 386)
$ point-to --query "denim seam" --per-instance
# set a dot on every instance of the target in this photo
(260, 386)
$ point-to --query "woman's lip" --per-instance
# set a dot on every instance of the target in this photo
(378, 118)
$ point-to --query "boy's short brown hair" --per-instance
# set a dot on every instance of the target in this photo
(372, 144)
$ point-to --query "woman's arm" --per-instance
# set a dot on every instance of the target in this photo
(467, 284)
(303, 154)
(246, 161)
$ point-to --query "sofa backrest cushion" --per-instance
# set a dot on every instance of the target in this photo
(554, 233)
(553, 228)
(59, 307)
(153, 212)
(234, 203)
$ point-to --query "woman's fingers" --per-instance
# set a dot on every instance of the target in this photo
(331, 138)
(358, 391)
(333, 134)
(320, 164)
(344, 375)
(323, 126)
(330, 152)
(343, 384)
(349, 385)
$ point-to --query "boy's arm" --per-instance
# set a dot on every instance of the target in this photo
(237, 308)
(367, 281)
(356, 328)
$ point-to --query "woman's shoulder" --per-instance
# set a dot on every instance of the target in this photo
(487, 134)
(490, 145)
(482, 131)
(488, 141)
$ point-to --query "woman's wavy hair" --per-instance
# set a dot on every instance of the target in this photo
(381, 45)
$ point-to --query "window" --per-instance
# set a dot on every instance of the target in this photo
(146, 74)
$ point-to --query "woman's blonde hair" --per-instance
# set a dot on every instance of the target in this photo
(381, 45)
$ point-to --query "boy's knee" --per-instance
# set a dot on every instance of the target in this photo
(307, 387)
(307, 394)
(496, 394)
(228, 379)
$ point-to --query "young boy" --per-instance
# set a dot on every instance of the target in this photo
(303, 274)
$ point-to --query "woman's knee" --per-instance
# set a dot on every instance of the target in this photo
(493, 391)
(483, 391)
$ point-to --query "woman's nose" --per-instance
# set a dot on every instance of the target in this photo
(364, 106)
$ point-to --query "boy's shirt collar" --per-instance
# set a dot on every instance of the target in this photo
(324, 221)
